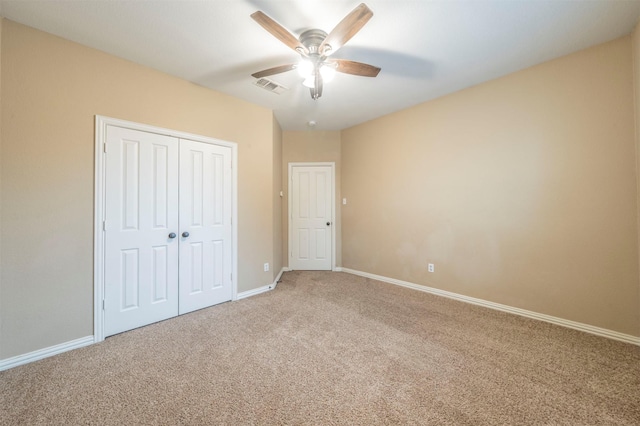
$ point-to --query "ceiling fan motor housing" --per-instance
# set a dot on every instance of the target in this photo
(312, 39)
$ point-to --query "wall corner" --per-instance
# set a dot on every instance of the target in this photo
(1, 268)
(635, 43)
(277, 255)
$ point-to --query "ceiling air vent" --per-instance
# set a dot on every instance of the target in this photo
(269, 85)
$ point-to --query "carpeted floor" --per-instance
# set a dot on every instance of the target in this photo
(333, 348)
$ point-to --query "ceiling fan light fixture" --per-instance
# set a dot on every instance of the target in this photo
(327, 72)
(310, 81)
(305, 68)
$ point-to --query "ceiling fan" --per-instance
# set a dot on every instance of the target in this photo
(315, 46)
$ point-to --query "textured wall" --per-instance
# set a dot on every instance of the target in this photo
(521, 191)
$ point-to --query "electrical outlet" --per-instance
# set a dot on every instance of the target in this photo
(431, 267)
(266, 267)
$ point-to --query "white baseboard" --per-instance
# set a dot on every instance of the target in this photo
(337, 269)
(263, 289)
(603, 332)
(15, 361)
(39, 354)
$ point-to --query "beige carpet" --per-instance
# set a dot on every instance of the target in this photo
(332, 348)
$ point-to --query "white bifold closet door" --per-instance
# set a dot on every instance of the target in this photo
(205, 214)
(167, 227)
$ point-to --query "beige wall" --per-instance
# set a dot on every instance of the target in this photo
(50, 91)
(277, 200)
(636, 92)
(1, 326)
(311, 147)
(521, 191)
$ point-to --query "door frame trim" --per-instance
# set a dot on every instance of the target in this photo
(333, 207)
(100, 138)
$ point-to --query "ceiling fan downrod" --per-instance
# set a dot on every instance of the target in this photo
(312, 39)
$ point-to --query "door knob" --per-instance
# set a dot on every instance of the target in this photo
(185, 234)
(172, 235)
(328, 223)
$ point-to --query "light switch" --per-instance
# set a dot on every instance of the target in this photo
(344, 201)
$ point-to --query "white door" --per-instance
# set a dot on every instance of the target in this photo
(168, 228)
(141, 259)
(205, 225)
(311, 208)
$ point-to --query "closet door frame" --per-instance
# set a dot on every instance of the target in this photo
(101, 123)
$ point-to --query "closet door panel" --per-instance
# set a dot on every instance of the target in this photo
(141, 199)
(205, 225)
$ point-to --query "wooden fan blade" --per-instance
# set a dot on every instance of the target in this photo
(274, 70)
(347, 28)
(355, 68)
(279, 32)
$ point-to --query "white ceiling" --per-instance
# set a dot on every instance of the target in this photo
(426, 49)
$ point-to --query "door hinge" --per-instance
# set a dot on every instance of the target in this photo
(103, 304)
(231, 277)
(104, 149)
